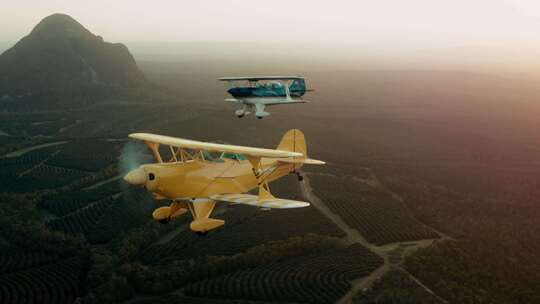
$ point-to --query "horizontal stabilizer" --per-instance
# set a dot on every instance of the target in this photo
(296, 160)
(253, 200)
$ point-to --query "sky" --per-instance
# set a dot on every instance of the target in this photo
(510, 27)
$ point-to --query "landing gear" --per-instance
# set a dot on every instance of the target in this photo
(201, 233)
(300, 177)
(241, 112)
(165, 220)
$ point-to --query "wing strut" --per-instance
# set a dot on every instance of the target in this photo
(264, 192)
(154, 147)
(200, 210)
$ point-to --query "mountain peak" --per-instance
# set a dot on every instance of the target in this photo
(61, 54)
(59, 24)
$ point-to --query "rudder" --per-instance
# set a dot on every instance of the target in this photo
(293, 141)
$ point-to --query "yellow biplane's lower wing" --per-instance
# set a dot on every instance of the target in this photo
(253, 200)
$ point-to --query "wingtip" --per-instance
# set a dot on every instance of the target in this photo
(310, 161)
(137, 135)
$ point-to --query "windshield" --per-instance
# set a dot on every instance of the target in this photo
(212, 156)
(234, 156)
(219, 157)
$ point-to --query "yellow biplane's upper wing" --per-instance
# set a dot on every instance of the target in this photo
(199, 145)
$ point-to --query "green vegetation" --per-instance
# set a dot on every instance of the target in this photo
(321, 277)
(159, 279)
(488, 261)
(12, 259)
(471, 274)
(87, 155)
(79, 222)
(245, 227)
(177, 299)
(396, 286)
(61, 204)
(36, 266)
(363, 204)
(52, 283)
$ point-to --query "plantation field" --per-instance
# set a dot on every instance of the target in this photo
(316, 278)
(61, 204)
(34, 124)
(87, 155)
(364, 205)
(12, 260)
(52, 283)
(101, 220)
(465, 166)
(177, 299)
(245, 227)
(58, 165)
(36, 176)
(396, 287)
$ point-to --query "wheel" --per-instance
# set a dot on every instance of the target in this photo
(240, 116)
(201, 233)
(259, 117)
(300, 178)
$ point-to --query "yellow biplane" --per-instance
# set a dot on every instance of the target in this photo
(197, 174)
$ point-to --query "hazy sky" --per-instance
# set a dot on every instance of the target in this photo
(416, 23)
(494, 35)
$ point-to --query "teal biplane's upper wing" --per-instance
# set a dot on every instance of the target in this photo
(256, 78)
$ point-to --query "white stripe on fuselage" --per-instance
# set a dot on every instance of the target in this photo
(268, 100)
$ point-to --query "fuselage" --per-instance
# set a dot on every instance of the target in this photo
(202, 179)
(269, 90)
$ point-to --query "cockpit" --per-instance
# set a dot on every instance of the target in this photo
(220, 157)
(233, 156)
(272, 85)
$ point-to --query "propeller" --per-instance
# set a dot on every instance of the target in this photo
(133, 155)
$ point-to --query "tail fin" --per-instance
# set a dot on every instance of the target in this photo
(293, 141)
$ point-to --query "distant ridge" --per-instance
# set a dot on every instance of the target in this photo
(61, 55)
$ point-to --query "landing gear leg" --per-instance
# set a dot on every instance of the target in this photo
(243, 111)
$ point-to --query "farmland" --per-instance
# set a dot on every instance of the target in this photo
(69, 227)
(52, 283)
(396, 286)
(378, 215)
(314, 278)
